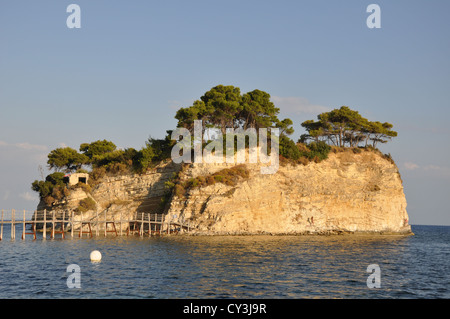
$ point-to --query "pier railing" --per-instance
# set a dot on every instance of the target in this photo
(68, 222)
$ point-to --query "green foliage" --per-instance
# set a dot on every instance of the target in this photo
(52, 189)
(224, 107)
(302, 153)
(66, 159)
(345, 126)
(285, 126)
(104, 158)
(96, 174)
(154, 151)
(222, 104)
(319, 150)
(187, 116)
(144, 158)
(86, 205)
(43, 188)
(118, 168)
(56, 178)
(109, 158)
(257, 110)
(288, 148)
(169, 185)
(97, 148)
(161, 147)
(46, 188)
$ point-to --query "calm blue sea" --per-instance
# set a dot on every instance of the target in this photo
(287, 267)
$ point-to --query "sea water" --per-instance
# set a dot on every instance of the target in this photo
(287, 267)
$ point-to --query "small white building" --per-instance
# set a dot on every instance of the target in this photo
(73, 179)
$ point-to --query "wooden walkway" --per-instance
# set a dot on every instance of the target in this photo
(66, 223)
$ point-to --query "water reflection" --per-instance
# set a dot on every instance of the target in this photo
(274, 267)
(225, 267)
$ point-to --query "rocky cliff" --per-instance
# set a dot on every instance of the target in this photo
(121, 196)
(346, 193)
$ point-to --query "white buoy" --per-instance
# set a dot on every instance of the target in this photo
(96, 255)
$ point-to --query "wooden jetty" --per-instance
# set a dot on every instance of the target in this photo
(65, 222)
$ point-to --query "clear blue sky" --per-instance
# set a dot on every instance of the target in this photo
(122, 76)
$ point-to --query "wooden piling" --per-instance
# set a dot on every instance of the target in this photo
(62, 225)
(129, 225)
(13, 224)
(23, 226)
(1, 230)
(106, 224)
(96, 226)
(168, 227)
(71, 228)
(81, 225)
(53, 225)
(121, 223)
(33, 226)
(44, 228)
(141, 229)
(160, 224)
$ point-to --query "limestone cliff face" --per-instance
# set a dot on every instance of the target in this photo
(345, 193)
(124, 195)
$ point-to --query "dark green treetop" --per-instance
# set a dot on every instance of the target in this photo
(344, 126)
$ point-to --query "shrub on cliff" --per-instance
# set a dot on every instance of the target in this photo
(319, 150)
(162, 148)
(86, 205)
(288, 148)
(301, 153)
(179, 190)
(228, 176)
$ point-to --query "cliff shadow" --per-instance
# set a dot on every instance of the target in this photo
(157, 195)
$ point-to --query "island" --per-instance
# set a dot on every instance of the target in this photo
(333, 180)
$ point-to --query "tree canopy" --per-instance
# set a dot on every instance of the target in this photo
(66, 159)
(225, 107)
(343, 126)
(104, 154)
(97, 148)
